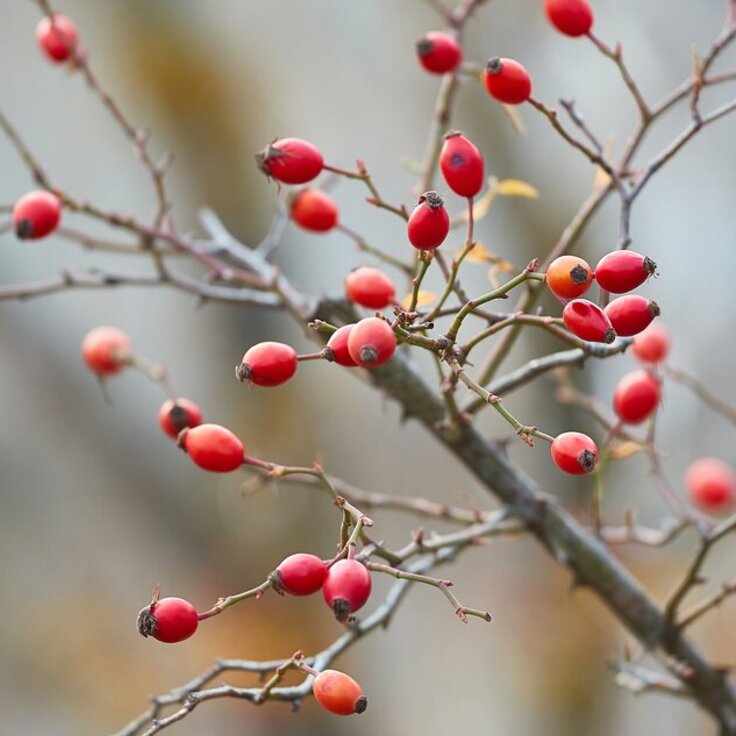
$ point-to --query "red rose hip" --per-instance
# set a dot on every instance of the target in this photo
(507, 81)
(213, 448)
(173, 416)
(36, 215)
(169, 620)
(370, 288)
(429, 223)
(636, 397)
(57, 40)
(588, 321)
(711, 485)
(346, 588)
(338, 693)
(290, 161)
(631, 314)
(569, 277)
(337, 347)
(623, 270)
(371, 342)
(106, 350)
(268, 364)
(439, 52)
(315, 210)
(299, 574)
(461, 164)
(574, 453)
(571, 17)
(652, 345)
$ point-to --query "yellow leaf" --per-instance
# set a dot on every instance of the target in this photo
(481, 254)
(424, 299)
(624, 450)
(516, 188)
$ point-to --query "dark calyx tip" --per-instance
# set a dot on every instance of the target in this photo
(609, 335)
(276, 583)
(146, 622)
(650, 266)
(579, 275)
(179, 417)
(494, 65)
(433, 200)
(361, 704)
(587, 460)
(424, 46)
(654, 309)
(243, 372)
(368, 354)
(342, 609)
(24, 229)
(328, 354)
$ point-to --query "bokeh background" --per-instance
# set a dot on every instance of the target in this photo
(97, 505)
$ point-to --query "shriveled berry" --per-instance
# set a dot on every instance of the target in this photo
(337, 346)
(106, 350)
(371, 342)
(36, 215)
(588, 321)
(507, 81)
(461, 164)
(571, 17)
(574, 453)
(652, 345)
(291, 161)
(213, 448)
(299, 574)
(631, 314)
(623, 270)
(173, 416)
(268, 364)
(636, 397)
(429, 223)
(711, 485)
(169, 620)
(315, 210)
(58, 39)
(346, 588)
(439, 52)
(569, 277)
(370, 288)
(338, 693)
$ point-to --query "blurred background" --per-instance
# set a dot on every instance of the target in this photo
(98, 505)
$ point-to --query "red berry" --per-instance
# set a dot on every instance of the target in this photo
(169, 620)
(346, 588)
(439, 52)
(711, 484)
(290, 160)
(569, 277)
(213, 448)
(571, 17)
(588, 321)
(338, 347)
(636, 397)
(574, 453)
(338, 693)
(314, 210)
(631, 314)
(462, 165)
(652, 345)
(623, 270)
(299, 574)
(429, 223)
(173, 416)
(370, 288)
(507, 81)
(268, 364)
(58, 40)
(106, 350)
(371, 342)
(36, 214)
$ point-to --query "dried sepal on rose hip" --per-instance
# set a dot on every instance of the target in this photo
(507, 81)
(212, 447)
(57, 37)
(314, 210)
(370, 287)
(299, 574)
(36, 215)
(711, 485)
(346, 588)
(371, 342)
(588, 321)
(290, 161)
(461, 164)
(336, 350)
(169, 620)
(574, 453)
(631, 314)
(339, 693)
(106, 350)
(177, 414)
(636, 397)
(439, 52)
(429, 223)
(267, 364)
(569, 277)
(623, 270)
(571, 17)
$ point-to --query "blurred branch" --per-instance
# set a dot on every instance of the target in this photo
(703, 393)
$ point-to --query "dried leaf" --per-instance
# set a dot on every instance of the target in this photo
(516, 188)
(424, 299)
(624, 450)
